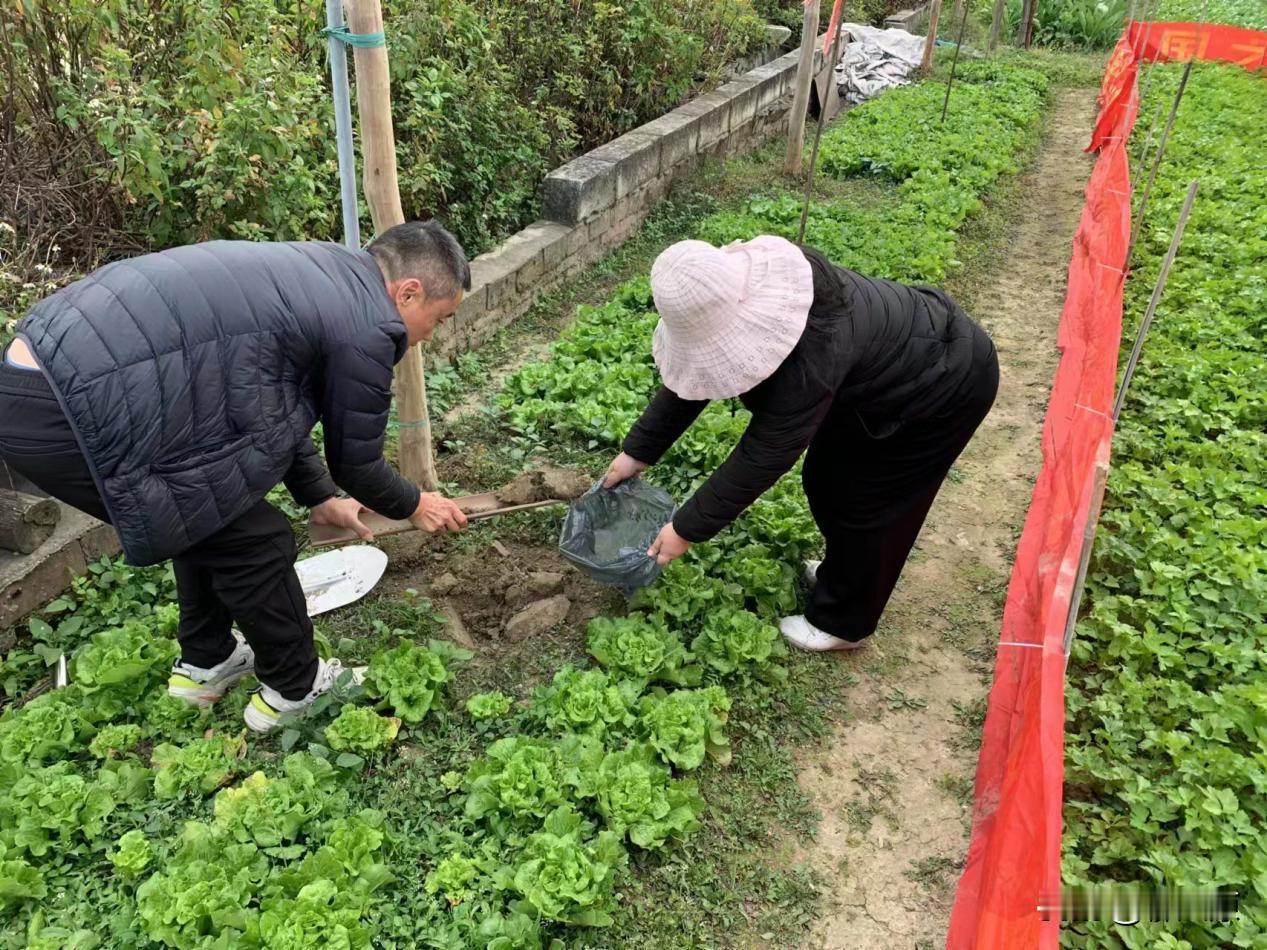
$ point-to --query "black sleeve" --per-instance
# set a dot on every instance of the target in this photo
(307, 480)
(357, 396)
(769, 447)
(661, 424)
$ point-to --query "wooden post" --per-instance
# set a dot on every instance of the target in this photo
(930, 41)
(382, 194)
(26, 521)
(1025, 32)
(818, 136)
(800, 101)
(996, 22)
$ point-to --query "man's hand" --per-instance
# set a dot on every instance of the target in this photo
(342, 513)
(437, 513)
(623, 467)
(668, 545)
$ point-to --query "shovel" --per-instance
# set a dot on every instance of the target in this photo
(475, 507)
(329, 581)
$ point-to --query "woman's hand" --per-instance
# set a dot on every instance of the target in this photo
(435, 513)
(622, 468)
(668, 545)
(342, 513)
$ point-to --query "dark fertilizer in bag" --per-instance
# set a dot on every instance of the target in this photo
(607, 532)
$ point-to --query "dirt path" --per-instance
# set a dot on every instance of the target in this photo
(894, 784)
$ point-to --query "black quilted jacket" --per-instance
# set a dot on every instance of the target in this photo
(891, 353)
(193, 377)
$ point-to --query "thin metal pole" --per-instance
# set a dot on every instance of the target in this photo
(1154, 301)
(963, 25)
(343, 128)
(1161, 151)
(818, 134)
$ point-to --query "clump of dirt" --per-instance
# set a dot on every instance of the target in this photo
(484, 590)
(543, 484)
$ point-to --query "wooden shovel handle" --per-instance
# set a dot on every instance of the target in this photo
(476, 508)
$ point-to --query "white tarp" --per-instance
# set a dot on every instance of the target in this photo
(875, 60)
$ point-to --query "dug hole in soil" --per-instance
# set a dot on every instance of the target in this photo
(509, 591)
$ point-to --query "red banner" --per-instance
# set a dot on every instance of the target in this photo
(1013, 862)
(1169, 42)
(833, 28)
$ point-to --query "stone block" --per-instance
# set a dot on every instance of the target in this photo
(742, 95)
(601, 223)
(769, 82)
(635, 156)
(574, 191)
(714, 119)
(678, 132)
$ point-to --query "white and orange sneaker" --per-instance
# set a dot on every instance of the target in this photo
(204, 687)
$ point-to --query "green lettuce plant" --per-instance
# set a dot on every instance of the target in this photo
(408, 678)
(586, 701)
(200, 766)
(488, 705)
(566, 876)
(360, 729)
(641, 649)
(738, 643)
(687, 725)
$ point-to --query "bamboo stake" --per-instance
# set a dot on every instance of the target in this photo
(818, 135)
(1161, 151)
(1101, 477)
(382, 194)
(1158, 288)
(930, 41)
(800, 101)
(963, 25)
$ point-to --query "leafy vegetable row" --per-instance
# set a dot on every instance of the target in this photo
(1167, 688)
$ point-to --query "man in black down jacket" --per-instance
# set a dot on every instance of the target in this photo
(882, 383)
(167, 394)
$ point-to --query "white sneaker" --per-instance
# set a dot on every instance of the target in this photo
(811, 571)
(204, 687)
(801, 633)
(268, 709)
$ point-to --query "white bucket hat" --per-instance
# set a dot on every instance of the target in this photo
(728, 316)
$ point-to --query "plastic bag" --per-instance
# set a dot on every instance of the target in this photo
(607, 532)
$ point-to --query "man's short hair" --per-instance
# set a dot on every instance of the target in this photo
(426, 251)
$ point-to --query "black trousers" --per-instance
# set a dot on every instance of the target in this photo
(870, 496)
(243, 574)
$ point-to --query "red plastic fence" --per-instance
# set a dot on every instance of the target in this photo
(1013, 862)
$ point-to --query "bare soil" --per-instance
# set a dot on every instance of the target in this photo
(894, 783)
(482, 601)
